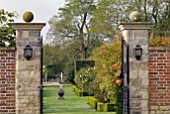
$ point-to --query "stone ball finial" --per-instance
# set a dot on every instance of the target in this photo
(28, 16)
(134, 16)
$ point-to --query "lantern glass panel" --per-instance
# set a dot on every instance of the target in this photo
(28, 53)
(138, 52)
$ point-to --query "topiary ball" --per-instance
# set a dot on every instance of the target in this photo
(28, 16)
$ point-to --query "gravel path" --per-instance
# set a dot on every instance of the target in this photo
(53, 83)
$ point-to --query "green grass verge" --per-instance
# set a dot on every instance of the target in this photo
(72, 104)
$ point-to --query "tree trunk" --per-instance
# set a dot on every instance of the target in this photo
(83, 52)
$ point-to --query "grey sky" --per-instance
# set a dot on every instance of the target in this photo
(43, 10)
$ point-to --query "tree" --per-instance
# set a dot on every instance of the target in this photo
(7, 33)
(81, 25)
(161, 16)
(156, 11)
(73, 23)
(62, 56)
(110, 12)
(88, 20)
(50, 54)
(106, 17)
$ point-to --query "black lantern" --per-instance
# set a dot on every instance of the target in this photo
(137, 52)
(28, 52)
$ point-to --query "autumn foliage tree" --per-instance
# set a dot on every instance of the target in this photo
(105, 77)
(105, 58)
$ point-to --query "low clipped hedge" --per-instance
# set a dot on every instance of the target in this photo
(100, 106)
(78, 91)
(107, 107)
(92, 101)
(73, 88)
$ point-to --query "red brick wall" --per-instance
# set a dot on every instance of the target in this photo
(159, 77)
(7, 81)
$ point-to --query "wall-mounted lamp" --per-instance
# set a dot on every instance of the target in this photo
(28, 52)
(138, 52)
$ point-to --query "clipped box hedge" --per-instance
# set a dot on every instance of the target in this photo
(78, 91)
(83, 64)
(92, 101)
(73, 88)
(107, 107)
(100, 106)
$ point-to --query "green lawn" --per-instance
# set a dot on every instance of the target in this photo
(71, 105)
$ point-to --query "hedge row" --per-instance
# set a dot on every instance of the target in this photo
(78, 91)
(100, 106)
(105, 107)
(92, 101)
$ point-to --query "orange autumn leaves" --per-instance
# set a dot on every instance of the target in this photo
(116, 69)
